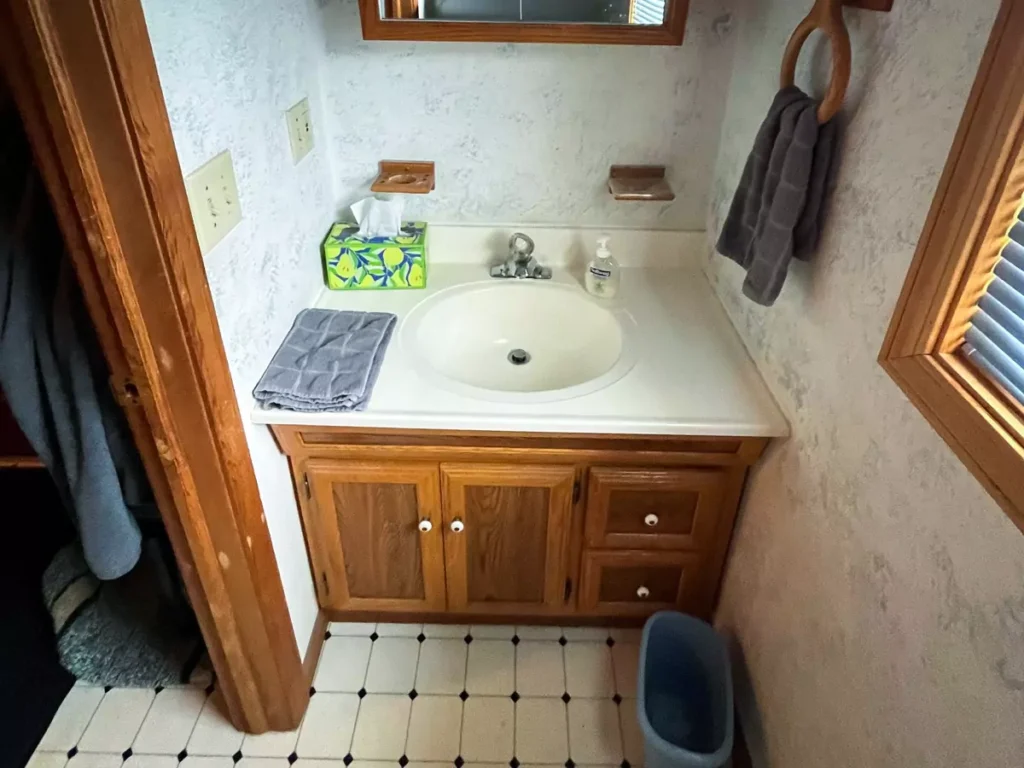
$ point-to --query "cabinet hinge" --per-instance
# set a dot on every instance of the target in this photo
(576, 490)
(305, 483)
(568, 589)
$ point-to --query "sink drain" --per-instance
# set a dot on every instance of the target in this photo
(519, 357)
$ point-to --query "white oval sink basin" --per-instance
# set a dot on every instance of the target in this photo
(521, 341)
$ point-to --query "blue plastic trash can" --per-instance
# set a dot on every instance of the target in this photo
(684, 693)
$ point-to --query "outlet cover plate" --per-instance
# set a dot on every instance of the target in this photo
(300, 130)
(213, 198)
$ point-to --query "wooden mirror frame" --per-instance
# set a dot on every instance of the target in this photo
(669, 33)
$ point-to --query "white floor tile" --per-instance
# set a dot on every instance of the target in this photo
(491, 668)
(352, 628)
(445, 630)
(429, 765)
(117, 720)
(626, 660)
(626, 634)
(392, 665)
(594, 735)
(541, 733)
(95, 760)
(72, 718)
(632, 736)
(442, 667)
(151, 761)
(588, 670)
(271, 743)
(488, 729)
(266, 762)
(48, 760)
(540, 670)
(492, 631)
(326, 730)
(169, 723)
(214, 734)
(330, 763)
(538, 632)
(343, 663)
(595, 634)
(399, 630)
(207, 761)
(381, 727)
(435, 728)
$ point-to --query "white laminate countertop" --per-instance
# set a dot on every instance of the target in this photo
(692, 375)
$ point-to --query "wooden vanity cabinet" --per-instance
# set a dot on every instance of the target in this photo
(374, 534)
(468, 526)
(507, 536)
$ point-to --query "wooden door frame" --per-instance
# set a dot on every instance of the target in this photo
(84, 78)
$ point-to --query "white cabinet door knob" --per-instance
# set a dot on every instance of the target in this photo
(651, 520)
(426, 526)
(457, 526)
(643, 592)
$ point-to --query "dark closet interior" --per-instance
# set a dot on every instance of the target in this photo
(63, 617)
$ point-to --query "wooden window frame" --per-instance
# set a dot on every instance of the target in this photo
(978, 197)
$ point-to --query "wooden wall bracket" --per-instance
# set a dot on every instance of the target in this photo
(404, 177)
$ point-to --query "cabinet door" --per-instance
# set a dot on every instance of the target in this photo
(507, 536)
(374, 535)
(632, 508)
(631, 583)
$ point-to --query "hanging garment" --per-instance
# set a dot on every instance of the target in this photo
(52, 373)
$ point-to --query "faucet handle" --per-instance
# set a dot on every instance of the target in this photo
(520, 247)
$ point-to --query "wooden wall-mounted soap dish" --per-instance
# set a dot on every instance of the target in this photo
(644, 183)
(399, 176)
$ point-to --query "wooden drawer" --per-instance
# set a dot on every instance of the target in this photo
(632, 583)
(635, 508)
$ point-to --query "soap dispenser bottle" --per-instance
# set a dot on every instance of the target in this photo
(602, 278)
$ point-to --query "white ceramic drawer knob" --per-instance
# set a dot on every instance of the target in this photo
(426, 526)
(457, 526)
(643, 592)
(651, 520)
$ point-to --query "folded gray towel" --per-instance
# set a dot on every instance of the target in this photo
(778, 207)
(329, 361)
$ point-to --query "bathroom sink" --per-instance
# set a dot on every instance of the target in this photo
(519, 341)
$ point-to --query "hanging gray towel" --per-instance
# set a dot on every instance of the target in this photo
(776, 213)
(53, 375)
(329, 361)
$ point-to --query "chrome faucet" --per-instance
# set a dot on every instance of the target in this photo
(520, 262)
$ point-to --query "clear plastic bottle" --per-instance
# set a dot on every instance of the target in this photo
(602, 278)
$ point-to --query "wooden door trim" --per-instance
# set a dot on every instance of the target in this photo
(329, 563)
(86, 84)
(560, 481)
(708, 484)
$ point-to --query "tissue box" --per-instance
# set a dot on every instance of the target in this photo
(355, 263)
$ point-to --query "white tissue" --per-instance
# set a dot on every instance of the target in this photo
(378, 217)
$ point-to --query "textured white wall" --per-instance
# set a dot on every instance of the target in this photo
(875, 588)
(526, 133)
(229, 69)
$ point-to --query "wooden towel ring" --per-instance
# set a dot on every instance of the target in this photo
(826, 15)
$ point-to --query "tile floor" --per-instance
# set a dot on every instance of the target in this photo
(425, 696)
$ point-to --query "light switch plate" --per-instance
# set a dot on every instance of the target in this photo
(300, 130)
(213, 197)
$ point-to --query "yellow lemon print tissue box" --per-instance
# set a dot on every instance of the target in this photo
(356, 263)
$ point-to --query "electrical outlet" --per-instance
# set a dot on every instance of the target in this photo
(213, 198)
(300, 130)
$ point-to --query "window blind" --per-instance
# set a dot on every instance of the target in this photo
(994, 342)
(648, 12)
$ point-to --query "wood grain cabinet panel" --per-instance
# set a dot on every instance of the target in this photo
(507, 536)
(637, 508)
(634, 583)
(365, 539)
